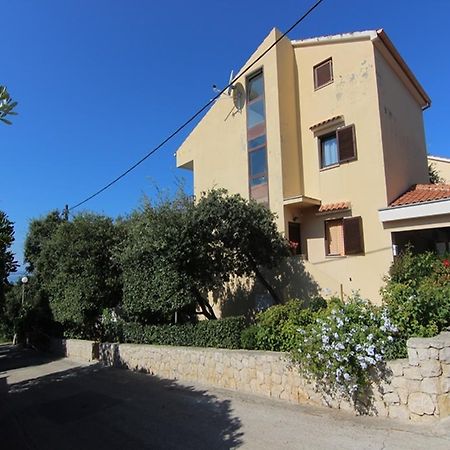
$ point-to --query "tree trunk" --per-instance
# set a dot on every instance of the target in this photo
(206, 308)
(269, 288)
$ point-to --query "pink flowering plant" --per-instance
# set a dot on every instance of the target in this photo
(344, 349)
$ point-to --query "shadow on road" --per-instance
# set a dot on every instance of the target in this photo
(94, 407)
(14, 357)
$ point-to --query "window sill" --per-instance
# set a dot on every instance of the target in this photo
(332, 166)
(335, 256)
(318, 88)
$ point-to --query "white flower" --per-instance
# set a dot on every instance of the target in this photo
(347, 376)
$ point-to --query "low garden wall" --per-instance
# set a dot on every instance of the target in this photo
(77, 349)
(416, 388)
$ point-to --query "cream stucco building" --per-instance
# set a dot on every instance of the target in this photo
(328, 132)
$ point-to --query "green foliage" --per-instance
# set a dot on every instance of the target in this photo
(417, 296)
(75, 267)
(434, 175)
(8, 264)
(223, 333)
(177, 250)
(33, 318)
(154, 286)
(339, 347)
(276, 327)
(7, 106)
(40, 232)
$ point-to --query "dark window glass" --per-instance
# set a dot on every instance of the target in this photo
(323, 74)
(255, 87)
(255, 113)
(257, 142)
(258, 162)
(258, 180)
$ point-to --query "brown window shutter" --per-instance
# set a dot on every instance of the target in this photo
(353, 236)
(346, 143)
(323, 74)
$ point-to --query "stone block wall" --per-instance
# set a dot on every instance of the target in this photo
(75, 349)
(416, 388)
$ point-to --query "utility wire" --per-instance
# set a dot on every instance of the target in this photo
(196, 114)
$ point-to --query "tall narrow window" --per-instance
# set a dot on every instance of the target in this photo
(256, 139)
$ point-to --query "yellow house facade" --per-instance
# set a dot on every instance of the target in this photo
(327, 132)
(441, 165)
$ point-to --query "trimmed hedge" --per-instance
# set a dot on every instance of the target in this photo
(223, 333)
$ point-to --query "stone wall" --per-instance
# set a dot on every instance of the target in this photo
(75, 349)
(416, 388)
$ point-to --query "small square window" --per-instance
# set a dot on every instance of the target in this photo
(344, 236)
(337, 147)
(323, 74)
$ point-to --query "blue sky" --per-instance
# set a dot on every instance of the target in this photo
(100, 82)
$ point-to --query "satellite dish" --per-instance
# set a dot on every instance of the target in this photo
(238, 96)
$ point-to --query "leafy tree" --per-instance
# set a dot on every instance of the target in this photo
(7, 263)
(7, 105)
(177, 251)
(153, 286)
(76, 269)
(240, 238)
(434, 175)
(40, 232)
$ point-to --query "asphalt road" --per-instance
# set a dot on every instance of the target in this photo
(50, 404)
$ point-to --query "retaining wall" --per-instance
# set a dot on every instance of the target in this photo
(416, 388)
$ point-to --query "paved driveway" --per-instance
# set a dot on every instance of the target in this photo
(48, 404)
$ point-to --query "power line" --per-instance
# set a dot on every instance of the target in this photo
(198, 112)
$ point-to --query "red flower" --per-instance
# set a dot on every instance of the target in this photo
(446, 263)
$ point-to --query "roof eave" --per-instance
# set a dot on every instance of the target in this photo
(382, 37)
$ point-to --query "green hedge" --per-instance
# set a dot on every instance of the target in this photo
(224, 333)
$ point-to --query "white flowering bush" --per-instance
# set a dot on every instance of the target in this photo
(345, 346)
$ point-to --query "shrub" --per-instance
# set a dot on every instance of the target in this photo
(342, 344)
(248, 337)
(417, 297)
(224, 333)
(275, 328)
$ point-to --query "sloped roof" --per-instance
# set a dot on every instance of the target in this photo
(331, 207)
(422, 193)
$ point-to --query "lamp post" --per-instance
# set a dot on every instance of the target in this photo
(24, 282)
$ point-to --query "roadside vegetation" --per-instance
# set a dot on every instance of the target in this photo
(146, 279)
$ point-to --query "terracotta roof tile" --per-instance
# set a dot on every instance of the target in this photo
(324, 122)
(420, 193)
(330, 207)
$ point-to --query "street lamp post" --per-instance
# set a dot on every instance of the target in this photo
(24, 282)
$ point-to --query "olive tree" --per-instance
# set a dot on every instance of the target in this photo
(176, 251)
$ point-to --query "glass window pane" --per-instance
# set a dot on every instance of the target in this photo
(255, 113)
(329, 151)
(258, 180)
(258, 162)
(260, 140)
(255, 87)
